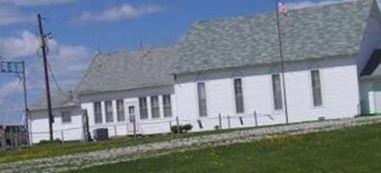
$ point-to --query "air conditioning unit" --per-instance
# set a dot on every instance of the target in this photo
(101, 134)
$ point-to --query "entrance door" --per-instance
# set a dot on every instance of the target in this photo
(377, 97)
(132, 119)
(131, 113)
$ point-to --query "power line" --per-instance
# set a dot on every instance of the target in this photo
(55, 80)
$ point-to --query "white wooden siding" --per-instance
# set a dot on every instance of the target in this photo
(39, 126)
(339, 91)
(131, 98)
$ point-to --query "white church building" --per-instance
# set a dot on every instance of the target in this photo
(226, 73)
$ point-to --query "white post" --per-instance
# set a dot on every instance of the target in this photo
(228, 121)
(178, 124)
(126, 129)
(30, 133)
(134, 123)
(220, 121)
(115, 133)
(170, 126)
(62, 135)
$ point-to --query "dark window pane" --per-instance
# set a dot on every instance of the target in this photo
(167, 105)
(143, 108)
(202, 99)
(120, 110)
(109, 112)
(238, 95)
(155, 109)
(131, 113)
(66, 117)
(316, 88)
(98, 113)
(277, 92)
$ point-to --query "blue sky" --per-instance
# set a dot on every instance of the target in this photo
(80, 28)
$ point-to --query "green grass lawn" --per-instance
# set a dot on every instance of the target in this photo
(354, 150)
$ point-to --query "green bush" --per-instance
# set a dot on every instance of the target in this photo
(48, 142)
(368, 115)
(181, 128)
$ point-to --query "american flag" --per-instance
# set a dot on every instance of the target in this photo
(282, 9)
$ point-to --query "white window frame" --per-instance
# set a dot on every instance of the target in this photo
(273, 93)
(152, 107)
(198, 102)
(234, 95)
(123, 111)
(321, 72)
(146, 108)
(95, 113)
(107, 111)
(170, 105)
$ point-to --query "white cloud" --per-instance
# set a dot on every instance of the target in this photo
(68, 63)
(34, 2)
(304, 4)
(117, 13)
(25, 45)
(9, 88)
(10, 16)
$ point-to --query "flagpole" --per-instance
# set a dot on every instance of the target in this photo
(281, 61)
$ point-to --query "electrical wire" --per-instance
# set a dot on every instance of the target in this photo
(55, 80)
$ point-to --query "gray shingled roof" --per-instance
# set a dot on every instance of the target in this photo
(372, 64)
(129, 70)
(58, 100)
(316, 32)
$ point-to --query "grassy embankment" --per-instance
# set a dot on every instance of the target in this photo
(351, 150)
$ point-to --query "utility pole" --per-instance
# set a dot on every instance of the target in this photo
(17, 67)
(281, 60)
(25, 100)
(25, 90)
(48, 99)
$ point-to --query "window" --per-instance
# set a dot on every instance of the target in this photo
(238, 95)
(167, 105)
(155, 109)
(143, 108)
(316, 88)
(109, 114)
(66, 117)
(277, 92)
(120, 110)
(98, 112)
(202, 108)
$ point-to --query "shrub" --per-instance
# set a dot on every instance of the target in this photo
(367, 115)
(181, 128)
(47, 142)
